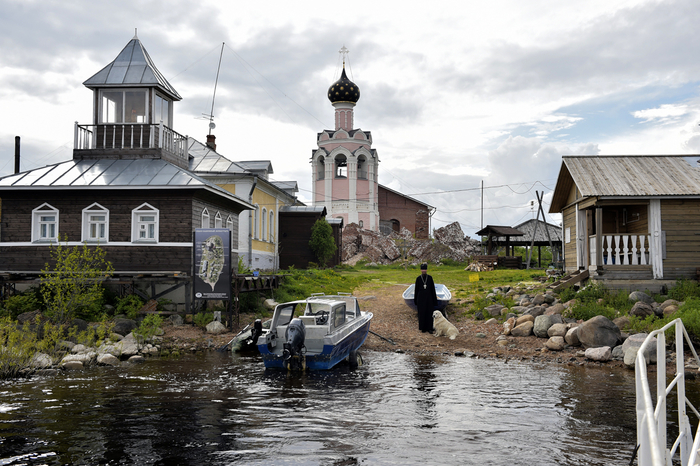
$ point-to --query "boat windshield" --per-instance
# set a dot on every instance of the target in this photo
(285, 313)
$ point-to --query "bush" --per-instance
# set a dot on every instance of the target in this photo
(689, 313)
(322, 242)
(149, 327)
(589, 309)
(129, 305)
(684, 289)
(202, 319)
(19, 304)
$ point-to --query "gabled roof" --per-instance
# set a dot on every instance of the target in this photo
(112, 174)
(528, 228)
(133, 67)
(627, 175)
(204, 159)
(407, 197)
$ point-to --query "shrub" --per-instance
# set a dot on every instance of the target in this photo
(129, 305)
(19, 304)
(322, 242)
(149, 327)
(689, 313)
(202, 319)
(588, 309)
(684, 289)
(75, 280)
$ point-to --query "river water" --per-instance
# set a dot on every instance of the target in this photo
(397, 409)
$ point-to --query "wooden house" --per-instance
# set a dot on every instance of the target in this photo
(258, 230)
(630, 217)
(295, 233)
(127, 189)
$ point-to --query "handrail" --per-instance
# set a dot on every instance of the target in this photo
(130, 136)
(651, 422)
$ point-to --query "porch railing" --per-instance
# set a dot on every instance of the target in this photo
(622, 249)
(130, 136)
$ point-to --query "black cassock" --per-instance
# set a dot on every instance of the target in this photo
(425, 299)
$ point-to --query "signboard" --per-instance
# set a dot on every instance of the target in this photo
(212, 263)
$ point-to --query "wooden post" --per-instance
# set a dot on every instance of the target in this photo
(599, 240)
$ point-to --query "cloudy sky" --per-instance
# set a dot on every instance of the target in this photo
(455, 94)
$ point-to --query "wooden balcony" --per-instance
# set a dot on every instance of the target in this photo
(130, 140)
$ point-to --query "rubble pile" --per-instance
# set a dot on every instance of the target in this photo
(373, 247)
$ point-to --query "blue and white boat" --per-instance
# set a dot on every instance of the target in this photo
(316, 333)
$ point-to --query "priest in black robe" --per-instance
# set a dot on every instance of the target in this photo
(425, 299)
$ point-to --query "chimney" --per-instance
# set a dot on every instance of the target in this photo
(16, 154)
(211, 141)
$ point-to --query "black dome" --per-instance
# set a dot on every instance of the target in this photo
(343, 90)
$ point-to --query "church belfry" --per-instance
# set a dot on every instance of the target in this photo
(345, 167)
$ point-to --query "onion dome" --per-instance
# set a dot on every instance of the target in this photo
(344, 90)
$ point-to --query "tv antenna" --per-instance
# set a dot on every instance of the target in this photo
(210, 116)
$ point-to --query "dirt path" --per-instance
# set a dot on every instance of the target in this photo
(394, 320)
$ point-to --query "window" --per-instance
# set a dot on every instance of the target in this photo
(321, 169)
(341, 166)
(45, 224)
(205, 219)
(255, 222)
(217, 220)
(229, 223)
(162, 111)
(144, 224)
(123, 106)
(272, 226)
(95, 224)
(361, 168)
(264, 224)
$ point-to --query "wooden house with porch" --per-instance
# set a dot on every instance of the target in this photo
(631, 221)
(128, 189)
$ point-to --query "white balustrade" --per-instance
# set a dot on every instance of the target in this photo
(622, 249)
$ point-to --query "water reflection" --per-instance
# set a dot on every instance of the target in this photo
(397, 409)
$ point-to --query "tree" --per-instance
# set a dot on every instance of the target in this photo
(322, 243)
(75, 281)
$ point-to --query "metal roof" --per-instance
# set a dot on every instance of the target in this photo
(627, 175)
(303, 209)
(113, 174)
(204, 159)
(132, 67)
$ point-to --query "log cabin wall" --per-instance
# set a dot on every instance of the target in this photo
(680, 219)
(569, 217)
(179, 214)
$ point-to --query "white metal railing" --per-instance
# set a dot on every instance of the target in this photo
(622, 249)
(130, 136)
(651, 421)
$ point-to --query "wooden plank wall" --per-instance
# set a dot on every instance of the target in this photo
(680, 219)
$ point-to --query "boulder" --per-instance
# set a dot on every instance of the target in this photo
(522, 330)
(599, 331)
(542, 324)
(136, 359)
(557, 308)
(555, 343)
(508, 325)
(107, 359)
(640, 296)
(538, 300)
(523, 319)
(72, 365)
(557, 330)
(622, 322)
(29, 317)
(85, 359)
(635, 341)
(641, 309)
(669, 302)
(41, 361)
(128, 346)
(176, 320)
(535, 311)
(670, 310)
(124, 326)
(571, 337)
(270, 304)
(494, 309)
(601, 353)
(630, 356)
(79, 324)
(215, 328)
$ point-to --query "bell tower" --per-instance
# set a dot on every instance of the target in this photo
(344, 166)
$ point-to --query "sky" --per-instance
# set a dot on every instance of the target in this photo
(457, 95)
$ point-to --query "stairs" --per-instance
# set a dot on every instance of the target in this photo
(569, 280)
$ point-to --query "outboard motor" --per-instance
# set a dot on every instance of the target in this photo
(256, 332)
(294, 336)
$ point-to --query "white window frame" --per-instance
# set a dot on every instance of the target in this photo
(271, 226)
(88, 212)
(256, 221)
(122, 119)
(263, 217)
(218, 221)
(144, 209)
(39, 234)
(205, 219)
(229, 222)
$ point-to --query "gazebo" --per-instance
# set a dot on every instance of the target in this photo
(494, 234)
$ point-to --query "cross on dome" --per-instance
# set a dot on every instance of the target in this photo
(344, 52)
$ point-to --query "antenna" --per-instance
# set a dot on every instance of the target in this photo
(216, 82)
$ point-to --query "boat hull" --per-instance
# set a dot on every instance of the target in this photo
(330, 356)
(444, 296)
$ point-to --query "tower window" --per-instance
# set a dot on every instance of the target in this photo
(361, 168)
(321, 169)
(341, 166)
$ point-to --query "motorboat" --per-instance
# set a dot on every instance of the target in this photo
(443, 295)
(316, 333)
